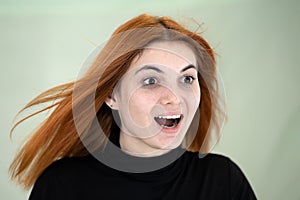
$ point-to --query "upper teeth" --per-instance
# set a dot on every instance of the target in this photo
(169, 117)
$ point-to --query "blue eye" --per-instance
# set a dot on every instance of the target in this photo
(187, 79)
(150, 81)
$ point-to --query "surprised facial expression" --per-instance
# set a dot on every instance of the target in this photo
(157, 98)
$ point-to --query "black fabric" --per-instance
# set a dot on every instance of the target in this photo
(189, 177)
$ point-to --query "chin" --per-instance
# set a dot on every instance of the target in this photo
(167, 144)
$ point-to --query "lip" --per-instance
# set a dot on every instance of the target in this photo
(171, 131)
(171, 113)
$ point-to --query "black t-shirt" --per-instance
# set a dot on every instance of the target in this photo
(189, 177)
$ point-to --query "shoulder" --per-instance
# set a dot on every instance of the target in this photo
(60, 178)
(220, 173)
(211, 160)
(66, 170)
(65, 167)
(216, 163)
(69, 163)
(225, 171)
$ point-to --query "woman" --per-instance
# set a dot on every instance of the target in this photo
(136, 124)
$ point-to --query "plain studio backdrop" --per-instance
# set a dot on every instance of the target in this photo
(43, 44)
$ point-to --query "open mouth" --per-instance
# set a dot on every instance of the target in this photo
(168, 121)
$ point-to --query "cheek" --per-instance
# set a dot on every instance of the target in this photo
(192, 97)
(197, 94)
(140, 106)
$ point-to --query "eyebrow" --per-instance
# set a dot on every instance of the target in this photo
(149, 67)
(160, 71)
(188, 67)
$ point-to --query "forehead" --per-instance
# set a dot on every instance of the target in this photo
(174, 54)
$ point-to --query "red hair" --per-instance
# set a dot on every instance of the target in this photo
(59, 136)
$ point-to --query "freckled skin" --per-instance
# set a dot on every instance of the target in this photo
(143, 94)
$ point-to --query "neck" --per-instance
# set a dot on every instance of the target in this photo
(137, 147)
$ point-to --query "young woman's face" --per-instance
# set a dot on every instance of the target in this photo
(157, 98)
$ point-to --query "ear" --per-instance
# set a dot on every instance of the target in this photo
(111, 102)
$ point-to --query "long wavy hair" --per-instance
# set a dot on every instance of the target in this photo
(59, 136)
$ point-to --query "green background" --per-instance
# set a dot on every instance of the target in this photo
(43, 44)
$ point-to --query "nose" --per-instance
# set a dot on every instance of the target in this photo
(169, 97)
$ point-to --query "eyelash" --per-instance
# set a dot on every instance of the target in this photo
(191, 77)
(147, 80)
(147, 83)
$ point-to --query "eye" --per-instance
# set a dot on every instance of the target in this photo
(187, 79)
(150, 81)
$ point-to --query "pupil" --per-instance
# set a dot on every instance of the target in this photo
(152, 81)
(187, 79)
